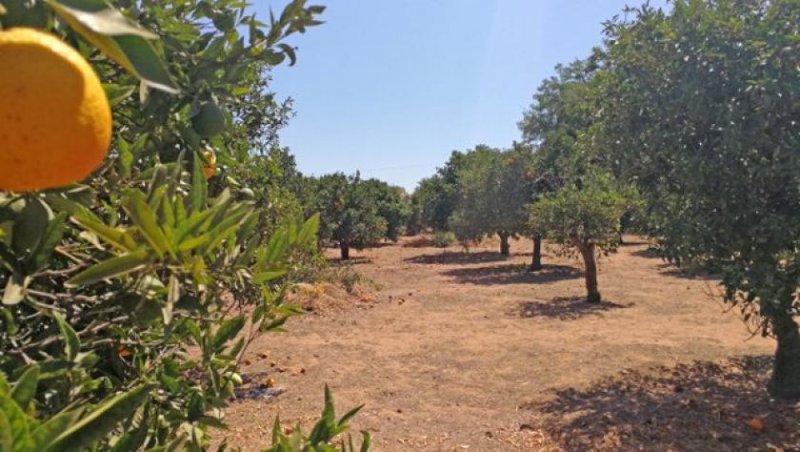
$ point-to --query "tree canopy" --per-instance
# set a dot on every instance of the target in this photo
(494, 189)
(349, 214)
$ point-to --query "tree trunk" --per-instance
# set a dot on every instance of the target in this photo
(345, 249)
(536, 261)
(590, 272)
(785, 380)
(505, 248)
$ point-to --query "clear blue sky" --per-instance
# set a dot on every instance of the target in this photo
(391, 87)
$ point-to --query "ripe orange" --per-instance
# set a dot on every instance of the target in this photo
(55, 121)
(210, 159)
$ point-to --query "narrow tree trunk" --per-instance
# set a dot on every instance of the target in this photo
(590, 272)
(345, 249)
(785, 380)
(505, 248)
(536, 261)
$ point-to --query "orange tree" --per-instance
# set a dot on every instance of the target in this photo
(130, 296)
(707, 94)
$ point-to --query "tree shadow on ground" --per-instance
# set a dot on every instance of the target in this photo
(677, 272)
(457, 257)
(565, 308)
(513, 274)
(700, 406)
(354, 260)
(634, 243)
(649, 252)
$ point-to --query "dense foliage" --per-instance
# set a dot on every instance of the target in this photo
(130, 298)
(494, 190)
(435, 197)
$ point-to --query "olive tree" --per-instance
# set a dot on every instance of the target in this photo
(584, 217)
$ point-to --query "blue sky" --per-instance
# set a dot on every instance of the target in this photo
(391, 87)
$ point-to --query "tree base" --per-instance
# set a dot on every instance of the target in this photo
(785, 380)
(594, 298)
(535, 268)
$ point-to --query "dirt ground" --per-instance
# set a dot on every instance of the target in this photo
(468, 351)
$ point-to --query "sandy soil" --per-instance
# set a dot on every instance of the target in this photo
(470, 352)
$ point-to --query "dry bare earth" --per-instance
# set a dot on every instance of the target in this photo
(470, 352)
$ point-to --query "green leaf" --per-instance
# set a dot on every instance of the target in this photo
(227, 331)
(6, 434)
(63, 204)
(50, 238)
(25, 388)
(126, 158)
(192, 243)
(145, 219)
(366, 441)
(309, 231)
(44, 435)
(99, 17)
(349, 415)
(117, 37)
(114, 237)
(101, 420)
(264, 277)
(116, 266)
(29, 227)
(116, 94)
(72, 343)
(17, 422)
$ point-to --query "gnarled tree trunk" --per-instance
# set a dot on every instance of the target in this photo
(590, 271)
(505, 248)
(536, 260)
(785, 380)
(344, 248)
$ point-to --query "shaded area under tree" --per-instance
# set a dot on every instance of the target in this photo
(513, 274)
(565, 308)
(700, 406)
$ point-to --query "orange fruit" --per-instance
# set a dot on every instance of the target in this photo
(756, 424)
(55, 121)
(210, 159)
